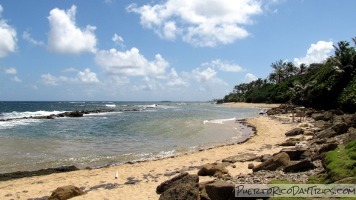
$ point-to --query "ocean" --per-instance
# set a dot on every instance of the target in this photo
(132, 131)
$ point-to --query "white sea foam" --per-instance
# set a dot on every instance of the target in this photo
(110, 105)
(219, 121)
(14, 123)
(18, 115)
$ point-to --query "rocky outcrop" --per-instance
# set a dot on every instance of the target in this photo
(240, 158)
(278, 161)
(219, 190)
(181, 187)
(66, 192)
(294, 132)
(300, 166)
(213, 169)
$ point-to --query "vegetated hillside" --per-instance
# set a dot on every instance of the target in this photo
(327, 85)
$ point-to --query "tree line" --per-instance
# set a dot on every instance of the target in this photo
(327, 85)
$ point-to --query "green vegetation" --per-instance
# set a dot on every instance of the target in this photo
(327, 85)
(341, 163)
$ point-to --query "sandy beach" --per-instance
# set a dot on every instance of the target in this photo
(146, 176)
(251, 105)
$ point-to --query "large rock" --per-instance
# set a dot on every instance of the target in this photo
(327, 147)
(220, 190)
(240, 158)
(66, 192)
(294, 153)
(340, 128)
(278, 161)
(213, 169)
(300, 166)
(291, 141)
(181, 187)
(295, 131)
(327, 133)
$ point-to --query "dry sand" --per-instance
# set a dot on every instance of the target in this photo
(151, 173)
(252, 105)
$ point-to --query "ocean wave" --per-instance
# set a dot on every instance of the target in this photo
(219, 121)
(27, 114)
(110, 105)
(14, 123)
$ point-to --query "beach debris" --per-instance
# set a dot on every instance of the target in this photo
(184, 186)
(117, 175)
(66, 192)
(250, 166)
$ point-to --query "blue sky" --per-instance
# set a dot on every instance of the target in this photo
(180, 50)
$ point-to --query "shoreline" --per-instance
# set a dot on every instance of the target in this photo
(140, 179)
(251, 105)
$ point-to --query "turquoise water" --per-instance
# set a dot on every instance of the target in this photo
(133, 131)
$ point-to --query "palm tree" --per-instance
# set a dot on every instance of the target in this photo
(279, 70)
(302, 68)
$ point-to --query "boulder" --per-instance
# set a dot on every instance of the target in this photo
(295, 131)
(279, 161)
(66, 192)
(240, 158)
(220, 190)
(291, 142)
(300, 166)
(213, 169)
(327, 147)
(340, 128)
(351, 135)
(322, 124)
(181, 187)
(294, 153)
(317, 116)
(327, 133)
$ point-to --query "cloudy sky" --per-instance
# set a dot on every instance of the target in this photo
(121, 50)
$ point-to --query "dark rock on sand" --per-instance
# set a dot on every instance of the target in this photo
(279, 161)
(66, 192)
(300, 166)
(295, 131)
(240, 158)
(213, 169)
(327, 147)
(291, 141)
(220, 190)
(294, 153)
(181, 187)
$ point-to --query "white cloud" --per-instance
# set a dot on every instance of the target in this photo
(85, 76)
(65, 37)
(175, 80)
(223, 66)
(8, 37)
(130, 63)
(316, 53)
(11, 70)
(204, 75)
(16, 79)
(27, 36)
(250, 77)
(199, 22)
(118, 40)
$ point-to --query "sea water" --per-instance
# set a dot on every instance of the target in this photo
(132, 131)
